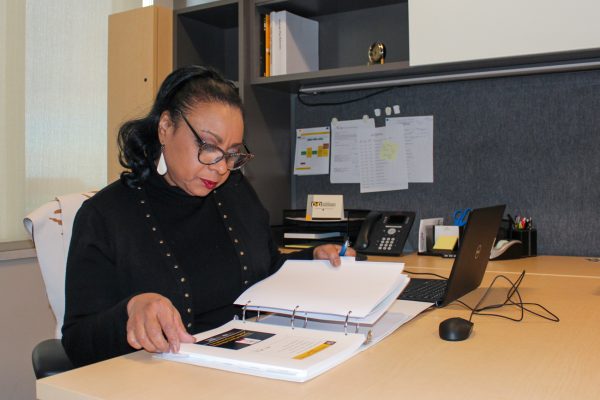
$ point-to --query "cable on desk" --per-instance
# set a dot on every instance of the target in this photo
(301, 100)
(513, 290)
(425, 273)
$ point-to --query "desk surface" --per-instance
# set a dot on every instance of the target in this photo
(533, 359)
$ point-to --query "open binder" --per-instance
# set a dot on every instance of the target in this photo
(317, 317)
(356, 292)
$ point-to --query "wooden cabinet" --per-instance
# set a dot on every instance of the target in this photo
(462, 30)
(140, 44)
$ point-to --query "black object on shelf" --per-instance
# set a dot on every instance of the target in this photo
(295, 223)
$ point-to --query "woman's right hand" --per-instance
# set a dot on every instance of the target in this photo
(154, 324)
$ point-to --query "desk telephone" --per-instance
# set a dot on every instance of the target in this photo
(384, 232)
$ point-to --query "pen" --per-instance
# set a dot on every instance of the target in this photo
(344, 247)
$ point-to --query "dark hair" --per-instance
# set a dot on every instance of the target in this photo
(185, 87)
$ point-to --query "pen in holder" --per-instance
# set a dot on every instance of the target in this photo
(522, 229)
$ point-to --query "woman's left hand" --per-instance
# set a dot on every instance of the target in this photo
(331, 252)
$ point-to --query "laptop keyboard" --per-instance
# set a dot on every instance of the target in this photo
(428, 290)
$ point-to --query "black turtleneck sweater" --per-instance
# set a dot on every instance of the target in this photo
(195, 233)
(200, 252)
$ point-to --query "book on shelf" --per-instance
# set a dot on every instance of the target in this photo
(294, 43)
(266, 61)
(262, 46)
(317, 316)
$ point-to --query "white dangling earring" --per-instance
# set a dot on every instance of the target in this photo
(161, 168)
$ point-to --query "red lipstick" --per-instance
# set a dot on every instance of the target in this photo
(209, 184)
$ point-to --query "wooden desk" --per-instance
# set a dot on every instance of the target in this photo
(533, 359)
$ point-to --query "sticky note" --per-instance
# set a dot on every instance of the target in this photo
(388, 151)
(445, 243)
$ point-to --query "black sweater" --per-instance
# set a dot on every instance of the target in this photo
(201, 253)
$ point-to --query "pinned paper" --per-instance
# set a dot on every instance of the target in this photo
(312, 151)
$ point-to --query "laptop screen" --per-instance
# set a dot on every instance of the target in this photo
(474, 252)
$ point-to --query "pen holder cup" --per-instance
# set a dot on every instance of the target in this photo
(529, 239)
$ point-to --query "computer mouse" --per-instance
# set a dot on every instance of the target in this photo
(455, 329)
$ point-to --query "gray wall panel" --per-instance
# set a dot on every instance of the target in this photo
(531, 142)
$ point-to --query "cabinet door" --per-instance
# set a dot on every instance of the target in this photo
(140, 56)
(462, 30)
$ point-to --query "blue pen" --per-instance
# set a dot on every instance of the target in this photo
(344, 248)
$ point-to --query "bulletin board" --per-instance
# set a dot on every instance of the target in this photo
(530, 142)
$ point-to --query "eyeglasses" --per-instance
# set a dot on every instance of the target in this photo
(209, 154)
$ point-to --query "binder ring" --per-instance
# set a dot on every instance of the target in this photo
(305, 319)
(244, 311)
(346, 322)
(257, 314)
(293, 316)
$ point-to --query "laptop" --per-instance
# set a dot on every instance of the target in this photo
(469, 265)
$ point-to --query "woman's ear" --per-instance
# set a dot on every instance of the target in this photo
(165, 126)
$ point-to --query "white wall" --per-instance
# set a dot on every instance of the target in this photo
(26, 320)
(457, 30)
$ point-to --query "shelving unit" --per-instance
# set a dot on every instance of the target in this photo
(209, 34)
(226, 35)
(346, 30)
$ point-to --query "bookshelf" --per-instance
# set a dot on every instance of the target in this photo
(346, 30)
(208, 34)
(226, 35)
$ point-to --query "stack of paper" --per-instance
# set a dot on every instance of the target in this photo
(325, 315)
(363, 291)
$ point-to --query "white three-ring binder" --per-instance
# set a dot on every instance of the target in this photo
(311, 317)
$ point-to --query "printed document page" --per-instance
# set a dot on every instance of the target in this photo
(382, 160)
(397, 315)
(269, 351)
(418, 137)
(312, 151)
(316, 289)
(345, 167)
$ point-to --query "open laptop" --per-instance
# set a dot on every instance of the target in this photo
(469, 265)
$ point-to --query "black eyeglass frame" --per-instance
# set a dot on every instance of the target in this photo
(247, 156)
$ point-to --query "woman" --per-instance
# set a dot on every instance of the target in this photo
(164, 251)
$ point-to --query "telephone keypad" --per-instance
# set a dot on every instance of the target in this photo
(386, 243)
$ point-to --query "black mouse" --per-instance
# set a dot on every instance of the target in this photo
(455, 329)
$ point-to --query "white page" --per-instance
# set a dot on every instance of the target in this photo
(316, 287)
(345, 166)
(267, 350)
(397, 315)
(382, 159)
(418, 136)
(312, 151)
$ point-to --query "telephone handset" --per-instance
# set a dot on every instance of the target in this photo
(384, 232)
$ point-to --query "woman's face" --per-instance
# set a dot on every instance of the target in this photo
(216, 123)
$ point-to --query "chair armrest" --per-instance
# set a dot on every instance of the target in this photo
(49, 358)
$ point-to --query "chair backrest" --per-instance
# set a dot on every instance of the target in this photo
(50, 228)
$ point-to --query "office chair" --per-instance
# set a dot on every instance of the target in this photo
(50, 229)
